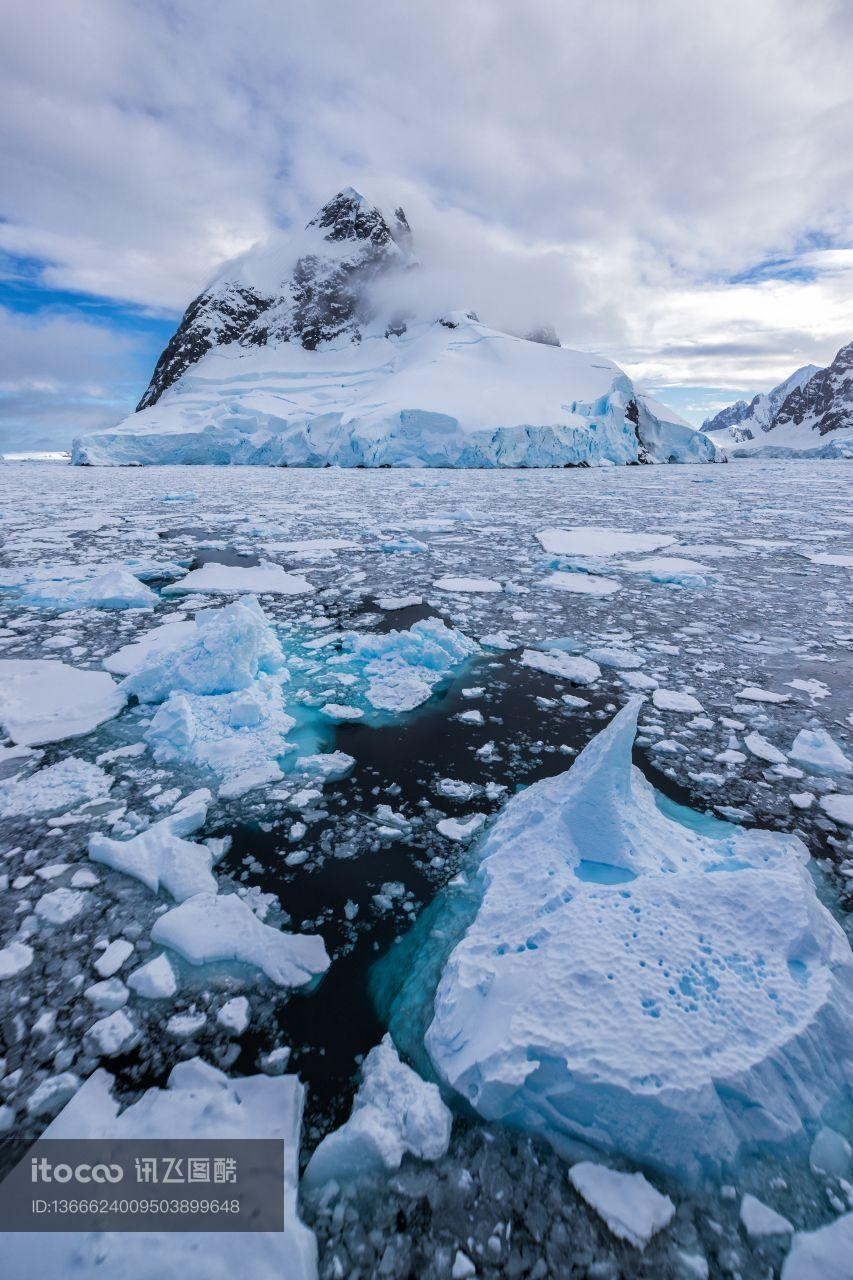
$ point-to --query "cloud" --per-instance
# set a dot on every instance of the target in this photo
(607, 167)
(61, 375)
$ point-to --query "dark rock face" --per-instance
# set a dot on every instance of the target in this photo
(731, 417)
(209, 321)
(326, 296)
(826, 399)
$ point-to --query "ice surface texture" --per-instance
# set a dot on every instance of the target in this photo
(641, 987)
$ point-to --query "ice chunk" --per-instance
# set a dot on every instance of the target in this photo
(229, 579)
(564, 666)
(225, 651)
(461, 828)
(61, 906)
(402, 667)
(764, 750)
(45, 701)
(159, 640)
(596, 540)
(154, 980)
(206, 928)
(394, 1112)
(15, 958)
(581, 584)
(199, 1102)
(113, 957)
(160, 858)
(51, 1094)
(824, 1254)
(674, 700)
(760, 1220)
(331, 765)
(467, 584)
(818, 752)
(839, 808)
(234, 1015)
(641, 982)
(632, 1208)
(112, 1035)
(63, 785)
(830, 1153)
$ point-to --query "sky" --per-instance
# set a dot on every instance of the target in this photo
(668, 183)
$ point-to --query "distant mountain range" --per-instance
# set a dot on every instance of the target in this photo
(810, 413)
(308, 351)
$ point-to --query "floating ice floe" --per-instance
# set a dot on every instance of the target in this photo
(198, 1102)
(675, 700)
(818, 752)
(564, 666)
(395, 1112)
(665, 989)
(673, 570)
(15, 959)
(467, 584)
(596, 540)
(760, 1220)
(45, 701)
(78, 587)
(401, 668)
(231, 579)
(839, 807)
(208, 928)
(63, 785)
(160, 857)
(581, 584)
(632, 1208)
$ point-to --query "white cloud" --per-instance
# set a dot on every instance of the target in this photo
(606, 166)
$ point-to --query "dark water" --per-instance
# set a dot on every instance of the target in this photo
(330, 1028)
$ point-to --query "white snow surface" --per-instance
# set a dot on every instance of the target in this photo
(443, 394)
(640, 986)
(45, 701)
(232, 579)
(825, 1254)
(198, 1102)
(394, 1112)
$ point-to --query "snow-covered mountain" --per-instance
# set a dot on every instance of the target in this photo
(811, 413)
(303, 352)
(745, 418)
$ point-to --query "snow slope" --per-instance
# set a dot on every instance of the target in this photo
(663, 990)
(307, 363)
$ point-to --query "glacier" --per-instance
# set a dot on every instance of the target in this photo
(665, 989)
(303, 353)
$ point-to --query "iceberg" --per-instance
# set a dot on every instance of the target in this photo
(199, 1101)
(641, 980)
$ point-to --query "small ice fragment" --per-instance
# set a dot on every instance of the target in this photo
(674, 700)
(633, 1209)
(760, 1220)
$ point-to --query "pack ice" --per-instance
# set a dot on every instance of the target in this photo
(310, 352)
(668, 990)
(198, 1102)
